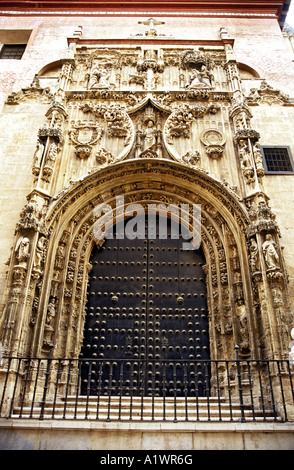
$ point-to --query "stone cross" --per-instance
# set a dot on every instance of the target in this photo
(151, 22)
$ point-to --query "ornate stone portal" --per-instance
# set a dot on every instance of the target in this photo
(155, 124)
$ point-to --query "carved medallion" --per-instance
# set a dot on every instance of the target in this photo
(85, 134)
(214, 142)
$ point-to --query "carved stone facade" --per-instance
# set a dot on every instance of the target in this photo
(162, 111)
(153, 123)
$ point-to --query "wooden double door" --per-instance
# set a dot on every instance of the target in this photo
(146, 327)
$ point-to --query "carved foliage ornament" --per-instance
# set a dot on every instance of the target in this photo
(119, 123)
(179, 122)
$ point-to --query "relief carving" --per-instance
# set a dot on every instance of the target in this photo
(99, 79)
(192, 158)
(85, 134)
(266, 94)
(214, 142)
(32, 215)
(200, 78)
(119, 123)
(179, 123)
(144, 119)
(104, 157)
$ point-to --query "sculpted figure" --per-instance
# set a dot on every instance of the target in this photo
(149, 135)
(253, 255)
(199, 79)
(39, 252)
(98, 79)
(38, 155)
(244, 154)
(270, 253)
(22, 250)
(258, 159)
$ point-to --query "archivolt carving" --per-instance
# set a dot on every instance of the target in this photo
(57, 263)
(75, 225)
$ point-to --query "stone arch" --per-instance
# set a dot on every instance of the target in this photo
(50, 68)
(247, 71)
(70, 221)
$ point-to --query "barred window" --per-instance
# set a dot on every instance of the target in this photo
(12, 51)
(277, 160)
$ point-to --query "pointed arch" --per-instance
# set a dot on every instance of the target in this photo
(70, 222)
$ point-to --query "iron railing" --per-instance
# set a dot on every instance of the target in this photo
(139, 390)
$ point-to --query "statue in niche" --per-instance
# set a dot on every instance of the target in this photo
(244, 154)
(243, 328)
(149, 135)
(258, 159)
(199, 79)
(253, 255)
(270, 253)
(39, 252)
(50, 312)
(49, 330)
(22, 251)
(50, 161)
(58, 121)
(52, 154)
(98, 79)
(38, 157)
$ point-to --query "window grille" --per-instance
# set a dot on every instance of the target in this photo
(12, 51)
(277, 160)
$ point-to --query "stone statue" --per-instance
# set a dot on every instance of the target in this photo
(98, 79)
(38, 155)
(199, 79)
(258, 159)
(50, 312)
(22, 250)
(253, 255)
(270, 253)
(150, 135)
(244, 154)
(39, 252)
